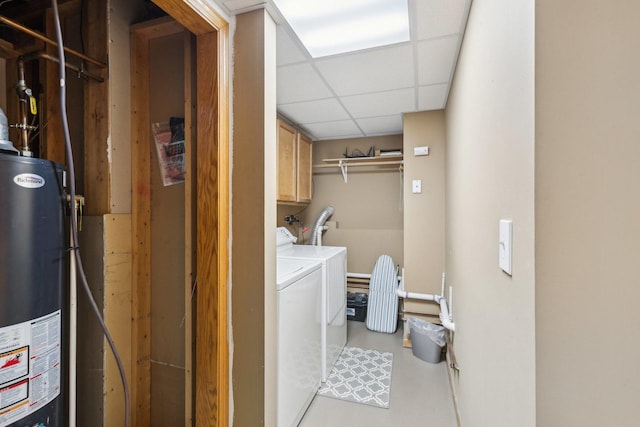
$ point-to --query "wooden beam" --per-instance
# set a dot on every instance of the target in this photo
(141, 232)
(97, 179)
(52, 146)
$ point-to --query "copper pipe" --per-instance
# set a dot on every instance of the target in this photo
(39, 36)
(21, 90)
(81, 72)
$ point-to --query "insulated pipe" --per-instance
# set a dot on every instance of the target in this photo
(5, 143)
(317, 226)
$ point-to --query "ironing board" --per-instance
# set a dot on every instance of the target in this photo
(382, 312)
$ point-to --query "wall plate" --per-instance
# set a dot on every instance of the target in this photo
(505, 244)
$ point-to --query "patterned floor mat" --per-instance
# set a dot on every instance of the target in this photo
(361, 376)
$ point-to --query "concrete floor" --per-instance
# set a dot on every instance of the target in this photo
(420, 391)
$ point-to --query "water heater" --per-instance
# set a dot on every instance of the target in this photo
(33, 255)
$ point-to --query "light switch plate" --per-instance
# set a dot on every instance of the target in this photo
(416, 186)
(421, 151)
(505, 244)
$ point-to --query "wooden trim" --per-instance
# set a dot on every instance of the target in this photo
(190, 113)
(197, 16)
(212, 353)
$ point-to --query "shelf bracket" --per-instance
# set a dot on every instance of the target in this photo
(343, 169)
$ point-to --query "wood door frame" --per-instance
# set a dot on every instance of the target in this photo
(211, 370)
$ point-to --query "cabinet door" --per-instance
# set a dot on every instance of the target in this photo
(286, 166)
(305, 188)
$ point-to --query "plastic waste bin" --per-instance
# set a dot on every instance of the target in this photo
(427, 340)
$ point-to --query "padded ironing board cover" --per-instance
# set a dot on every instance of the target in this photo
(382, 312)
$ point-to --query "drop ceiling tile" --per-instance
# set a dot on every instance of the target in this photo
(432, 97)
(437, 18)
(436, 60)
(369, 71)
(389, 125)
(300, 82)
(324, 110)
(380, 103)
(287, 50)
(334, 130)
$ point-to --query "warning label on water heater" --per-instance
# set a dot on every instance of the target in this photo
(29, 366)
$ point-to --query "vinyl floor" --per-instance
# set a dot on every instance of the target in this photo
(420, 391)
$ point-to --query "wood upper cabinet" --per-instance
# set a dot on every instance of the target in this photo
(294, 165)
(304, 168)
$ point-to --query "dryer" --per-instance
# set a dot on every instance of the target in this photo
(333, 301)
(298, 289)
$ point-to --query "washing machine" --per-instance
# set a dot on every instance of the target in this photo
(333, 301)
(298, 289)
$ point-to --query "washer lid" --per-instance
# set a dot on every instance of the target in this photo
(290, 270)
(309, 251)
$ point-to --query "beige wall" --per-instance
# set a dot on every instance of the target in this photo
(424, 213)
(490, 176)
(254, 214)
(587, 213)
(368, 217)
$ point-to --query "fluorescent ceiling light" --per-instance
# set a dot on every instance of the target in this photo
(329, 27)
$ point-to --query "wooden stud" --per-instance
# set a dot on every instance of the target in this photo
(97, 181)
(141, 214)
(53, 145)
(140, 382)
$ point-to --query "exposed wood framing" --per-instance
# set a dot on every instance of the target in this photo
(52, 146)
(141, 214)
(97, 188)
(212, 213)
(212, 347)
(140, 382)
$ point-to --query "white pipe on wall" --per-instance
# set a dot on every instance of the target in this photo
(359, 275)
(445, 316)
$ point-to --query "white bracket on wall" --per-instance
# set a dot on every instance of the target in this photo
(343, 169)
